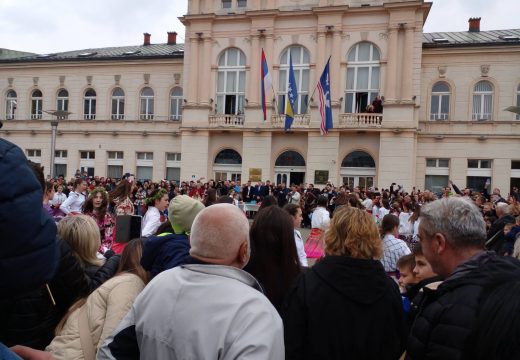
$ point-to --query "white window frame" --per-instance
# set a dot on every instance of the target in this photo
(62, 101)
(480, 97)
(479, 170)
(147, 104)
(89, 104)
(438, 97)
(34, 154)
(241, 4)
(226, 4)
(227, 71)
(36, 105)
(115, 155)
(437, 169)
(117, 105)
(11, 103)
(173, 161)
(354, 66)
(144, 156)
(176, 104)
(302, 73)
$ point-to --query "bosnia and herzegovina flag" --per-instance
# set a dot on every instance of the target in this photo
(292, 96)
(267, 82)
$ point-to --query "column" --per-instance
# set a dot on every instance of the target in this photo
(254, 81)
(269, 49)
(192, 81)
(407, 64)
(335, 67)
(204, 87)
(391, 74)
(320, 56)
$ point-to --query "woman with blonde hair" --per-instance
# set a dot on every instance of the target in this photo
(81, 233)
(95, 317)
(346, 298)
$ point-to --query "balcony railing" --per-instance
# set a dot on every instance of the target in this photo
(300, 121)
(360, 120)
(226, 120)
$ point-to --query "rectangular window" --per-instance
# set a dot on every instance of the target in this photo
(60, 170)
(438, 163)
(476, 183)
(173, 156)
(115, 171)
(226, 4)
(173, 173)
(435, 183)
(144, 173)
(115, 155)
(479, 164)
(60, 154)
(87, 154)
(118, 108)
(515, 164)
(241, 3)
(89, 109)
(145, 156)
(36, 109)
(34, 153)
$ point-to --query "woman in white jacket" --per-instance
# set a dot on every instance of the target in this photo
(89, 321)
(74, 202)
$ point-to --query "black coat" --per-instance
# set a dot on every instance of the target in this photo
(344, 308)
(448, 313)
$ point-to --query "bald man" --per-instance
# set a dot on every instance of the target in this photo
(207, 309)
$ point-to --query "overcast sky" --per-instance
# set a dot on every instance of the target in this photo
(46, 26)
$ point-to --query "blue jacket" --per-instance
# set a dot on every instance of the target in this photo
(164, 252)
(28, 251)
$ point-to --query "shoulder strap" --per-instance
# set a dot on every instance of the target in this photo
(85, 337)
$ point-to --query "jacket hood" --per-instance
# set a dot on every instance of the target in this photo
(362, 281)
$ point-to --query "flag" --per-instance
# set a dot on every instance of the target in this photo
(267, 82)
(325, 109)
(292, 96)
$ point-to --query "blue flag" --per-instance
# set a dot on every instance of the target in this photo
(325, 109)
(292, 96)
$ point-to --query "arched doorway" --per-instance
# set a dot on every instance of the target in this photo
(289, 168)
(227, 165)
(358, 169)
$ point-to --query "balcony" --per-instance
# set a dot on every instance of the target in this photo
(226, 120)
(360, 120)
(300, 121)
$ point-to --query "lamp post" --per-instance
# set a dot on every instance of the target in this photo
(59, 115)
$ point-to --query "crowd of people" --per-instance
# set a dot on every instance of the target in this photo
(384, 273)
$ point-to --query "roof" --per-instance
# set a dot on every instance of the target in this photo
(10, 54)
(109, 53)
(468, 38)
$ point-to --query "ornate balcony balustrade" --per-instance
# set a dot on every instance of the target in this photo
(226, 120)
(360, 120)
(300, 121)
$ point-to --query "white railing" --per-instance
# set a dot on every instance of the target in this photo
(226, 120)
(360, 120)
(300, 121)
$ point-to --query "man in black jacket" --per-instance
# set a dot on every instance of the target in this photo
(452, 234)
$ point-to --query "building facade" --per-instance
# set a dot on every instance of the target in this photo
(186, 111)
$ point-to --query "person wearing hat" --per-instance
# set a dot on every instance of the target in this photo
(170, 249)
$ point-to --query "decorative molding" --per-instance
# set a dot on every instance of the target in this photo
(484, 70)
(277, 38)
(442, 71)
(62, 80)
(35, 80)
(177, 78)
(364, 35)
(384, 35)
(216, 43)
(247, 40)
(146, 78)
(345, 36)
(117, 78)
(295, 38)
(89, 80)
(10, 81)
(232, 41)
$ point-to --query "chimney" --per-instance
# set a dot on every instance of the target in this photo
(146, 39)
(172, 38)
(474, 24)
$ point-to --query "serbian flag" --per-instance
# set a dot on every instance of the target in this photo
(267, 82)
(325, 109)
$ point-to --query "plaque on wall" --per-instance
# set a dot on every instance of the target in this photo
(255, 174)
(321, 176)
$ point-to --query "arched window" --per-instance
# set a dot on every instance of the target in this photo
(231, 82)
(62, 102)
(36, 104)
(440, 103)
(518, 101)
(176, 104)
(147, 103)
(228, 157)
(10, 104)
(89, 105)
(118, 104)
(301, 66)
(483, 101)
(363, 73)
(358, 159)
(290, 158)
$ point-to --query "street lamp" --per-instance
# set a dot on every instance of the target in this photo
(59, 115)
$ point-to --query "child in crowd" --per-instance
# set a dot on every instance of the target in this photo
(407, 278)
